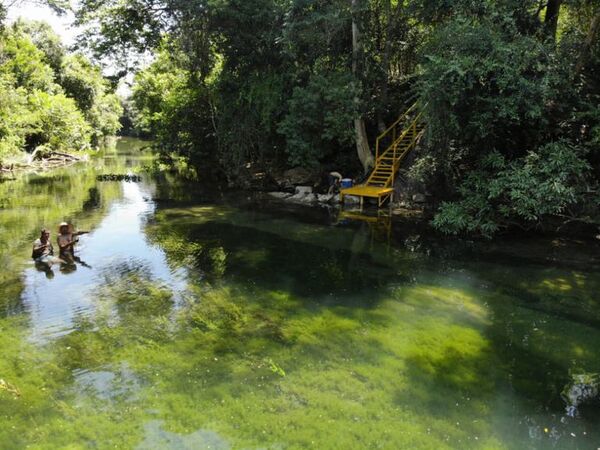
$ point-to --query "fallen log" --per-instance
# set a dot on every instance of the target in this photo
(65, 155)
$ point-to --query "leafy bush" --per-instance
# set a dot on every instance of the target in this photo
(47, 98)
(56, 121)
(544, 182)
(20, 58)
(320, 118)
(13, 102)
(481, 82)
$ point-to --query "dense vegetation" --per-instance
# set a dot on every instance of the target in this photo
(50, 99)
(509, 90)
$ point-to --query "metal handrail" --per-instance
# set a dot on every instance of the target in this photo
(396, 160)
(392, 128)
(404, 133)
(413, 127)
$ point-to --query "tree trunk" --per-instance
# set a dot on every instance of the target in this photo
(362, 143)
(551, 20)
(589, 42)
(385, 62)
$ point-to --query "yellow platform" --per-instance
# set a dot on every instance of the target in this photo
(380, 193)
(400, 138)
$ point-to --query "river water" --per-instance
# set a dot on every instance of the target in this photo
(197, 319)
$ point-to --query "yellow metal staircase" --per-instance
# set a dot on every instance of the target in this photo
(398, 140)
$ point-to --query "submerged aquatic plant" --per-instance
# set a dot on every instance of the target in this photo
(10, 388)
(275, 368)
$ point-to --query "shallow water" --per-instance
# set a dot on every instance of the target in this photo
(204, 320)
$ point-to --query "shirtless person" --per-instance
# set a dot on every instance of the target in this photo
(42, 247)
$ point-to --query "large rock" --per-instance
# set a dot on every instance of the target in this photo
(280, 195)
(303, 198)
(298, 175)
(325, 198)
(303, 190)
(419, 198)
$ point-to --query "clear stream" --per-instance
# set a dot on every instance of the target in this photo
(204, 320)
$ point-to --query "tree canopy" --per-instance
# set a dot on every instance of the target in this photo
(49, 97)
(509, 90)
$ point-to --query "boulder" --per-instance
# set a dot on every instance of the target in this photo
(303, 190)
(419, 198)
(303, 197)
(325, 198)
(298, 175)
(280, 195)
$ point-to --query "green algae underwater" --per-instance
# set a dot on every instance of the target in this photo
(209, 321)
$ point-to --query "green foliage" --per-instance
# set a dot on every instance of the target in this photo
(267, 83)
(81, 80)
(84, 82)
(170, 107)
(545, 182)
(45, 39)
(48, 97)
(21, 59)
(13, 109)
(104, 116)
(502, 105)
(55, 120)
(481, 82)
(319, 118)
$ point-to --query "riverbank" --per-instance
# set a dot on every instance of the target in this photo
(51, 160)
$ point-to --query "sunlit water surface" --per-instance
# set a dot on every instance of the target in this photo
(202, 320)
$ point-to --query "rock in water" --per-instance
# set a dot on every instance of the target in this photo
(583, 388)
(324, 198)
(304, 190)
(280, 195)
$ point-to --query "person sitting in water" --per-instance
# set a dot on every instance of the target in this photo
(42, 247)
(335, 179)
(67, 239)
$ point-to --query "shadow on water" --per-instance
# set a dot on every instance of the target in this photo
(439, 382)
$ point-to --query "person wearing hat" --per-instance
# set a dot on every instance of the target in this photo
(66, 239)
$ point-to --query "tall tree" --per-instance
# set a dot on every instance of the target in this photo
(552, 15)
(362, 142)
(590, 40)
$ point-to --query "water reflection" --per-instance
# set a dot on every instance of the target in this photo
(54, 297)
(379, 223)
